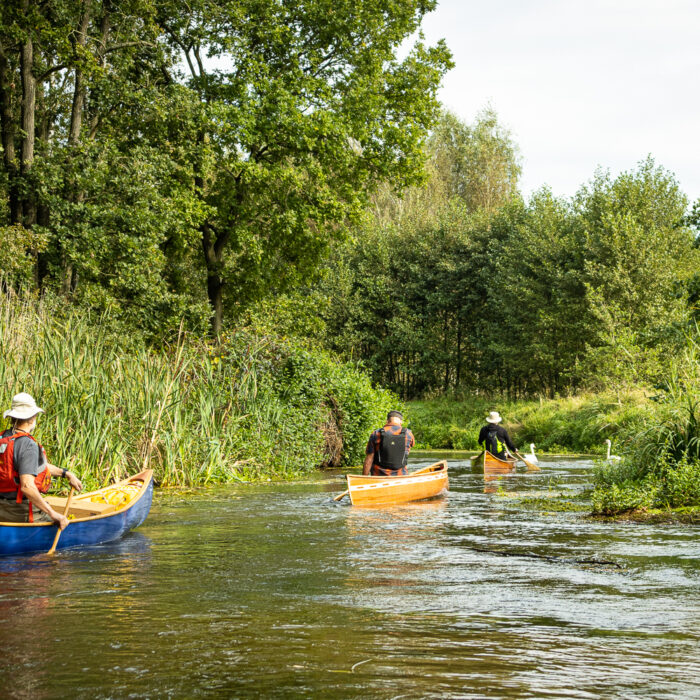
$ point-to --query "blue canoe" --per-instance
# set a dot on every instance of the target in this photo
(93, 522)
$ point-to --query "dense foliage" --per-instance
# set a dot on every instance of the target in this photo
(167, 164)
(545, 297)
(249, 407)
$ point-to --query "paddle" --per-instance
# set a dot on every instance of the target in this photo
(65, 513)
(419, 471)
(529, 465)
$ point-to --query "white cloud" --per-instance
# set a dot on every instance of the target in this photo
(580, 83)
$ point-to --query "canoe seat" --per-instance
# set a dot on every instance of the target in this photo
(80, 509)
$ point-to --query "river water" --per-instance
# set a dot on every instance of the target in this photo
(276, 591)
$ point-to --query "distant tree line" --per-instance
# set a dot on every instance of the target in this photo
(463, 285)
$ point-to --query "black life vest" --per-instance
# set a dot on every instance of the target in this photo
(392, 450)
(493, 444)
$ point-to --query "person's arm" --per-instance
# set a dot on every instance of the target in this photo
(369, 456)
(72, 478)
(31, 492)
(482, 438)
(508, 441)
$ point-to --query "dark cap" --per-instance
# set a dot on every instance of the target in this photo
(393, 414)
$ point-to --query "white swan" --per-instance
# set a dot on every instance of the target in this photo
(609, 457)
(532, 457)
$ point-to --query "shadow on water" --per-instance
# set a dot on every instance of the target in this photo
(276, 591)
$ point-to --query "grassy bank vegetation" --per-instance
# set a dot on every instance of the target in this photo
(573, 424)
(249, 407)
(661, 464)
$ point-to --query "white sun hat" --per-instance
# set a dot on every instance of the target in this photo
(494, 417)
(23, 407)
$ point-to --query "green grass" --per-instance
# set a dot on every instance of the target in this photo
(575, 424)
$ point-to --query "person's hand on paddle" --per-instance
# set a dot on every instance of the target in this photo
(66, 474)
(60, 520)
(74, 481)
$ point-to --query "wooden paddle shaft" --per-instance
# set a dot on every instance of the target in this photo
(58, 529)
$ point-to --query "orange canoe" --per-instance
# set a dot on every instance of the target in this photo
(389, 490)
(486, 462)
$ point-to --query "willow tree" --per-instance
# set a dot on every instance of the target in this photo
(298, 109)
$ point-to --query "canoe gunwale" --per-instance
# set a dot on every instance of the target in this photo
(146, 476)
(437, 468)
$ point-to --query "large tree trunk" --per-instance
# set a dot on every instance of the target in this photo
(213, 254)
(43, 213)
(7, 125)
(69, 280)
(28, 135)
(215, 290)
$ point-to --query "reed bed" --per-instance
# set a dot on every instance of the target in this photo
(245, 409)
(661, 465)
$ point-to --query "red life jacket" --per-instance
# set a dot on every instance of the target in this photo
(9, 476)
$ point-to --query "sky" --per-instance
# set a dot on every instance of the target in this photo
(579, 83)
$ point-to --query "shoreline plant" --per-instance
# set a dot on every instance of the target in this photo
(661, 468)
(250, 407)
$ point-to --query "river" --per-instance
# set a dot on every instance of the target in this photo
(275, 591)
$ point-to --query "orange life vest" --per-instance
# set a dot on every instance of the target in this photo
(9, 476)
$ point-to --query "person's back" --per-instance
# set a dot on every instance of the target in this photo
(388, 448)
(494, 438)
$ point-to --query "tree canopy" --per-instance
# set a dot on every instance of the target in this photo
(172, 160)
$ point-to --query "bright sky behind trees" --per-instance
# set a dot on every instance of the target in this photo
(580, 83)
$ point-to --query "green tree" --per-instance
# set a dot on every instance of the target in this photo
(478, 163)
(299, 110)
(636, 249)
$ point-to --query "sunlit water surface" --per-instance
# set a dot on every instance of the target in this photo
(276, 591)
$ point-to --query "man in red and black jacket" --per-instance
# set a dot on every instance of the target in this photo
(388, 448)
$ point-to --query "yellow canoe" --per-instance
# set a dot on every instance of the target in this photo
(486, 462)
(428, 482)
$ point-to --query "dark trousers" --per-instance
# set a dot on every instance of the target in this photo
(13, 512)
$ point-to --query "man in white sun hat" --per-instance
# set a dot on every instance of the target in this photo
(25, 473)
(494, 437)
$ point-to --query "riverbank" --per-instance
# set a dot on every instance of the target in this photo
(249, 407)
(572, 425)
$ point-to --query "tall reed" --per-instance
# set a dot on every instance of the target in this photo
(195, 412)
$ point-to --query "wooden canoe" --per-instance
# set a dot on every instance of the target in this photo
(487, 463)
(94, 522)
(425, 483)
